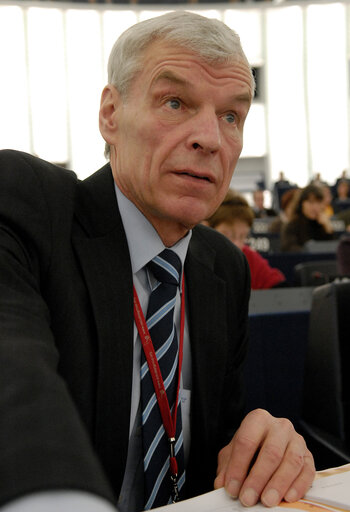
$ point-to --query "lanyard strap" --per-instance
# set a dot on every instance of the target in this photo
(169, 421)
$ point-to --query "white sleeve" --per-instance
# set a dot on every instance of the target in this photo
(57, 501)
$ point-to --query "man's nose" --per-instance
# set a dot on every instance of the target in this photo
(205, 135)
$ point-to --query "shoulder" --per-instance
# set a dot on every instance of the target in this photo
(27, 179)
(37, 200)
(17, 163)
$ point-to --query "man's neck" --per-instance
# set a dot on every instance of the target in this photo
(169, 233)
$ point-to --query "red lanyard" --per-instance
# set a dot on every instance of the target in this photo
(169, 421)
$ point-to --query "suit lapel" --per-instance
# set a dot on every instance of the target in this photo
(101, 247)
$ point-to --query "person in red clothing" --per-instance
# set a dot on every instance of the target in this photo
(234, 218)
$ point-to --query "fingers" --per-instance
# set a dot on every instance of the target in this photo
(283, 468)
(304, 480)
(235, 459)
(292, 476)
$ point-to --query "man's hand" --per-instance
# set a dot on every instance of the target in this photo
(283, 468)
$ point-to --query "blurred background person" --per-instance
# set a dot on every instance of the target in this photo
(328, 200)
(234, 219)
(342, 199)
(285, 213)
(259, 209)
(308, 221)
(280, 186)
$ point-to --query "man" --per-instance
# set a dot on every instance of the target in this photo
(260, 211)
(172, 115)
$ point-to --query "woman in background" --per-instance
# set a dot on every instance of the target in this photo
(308, 222)
(234, 218)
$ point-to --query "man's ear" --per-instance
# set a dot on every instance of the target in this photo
(108, 122)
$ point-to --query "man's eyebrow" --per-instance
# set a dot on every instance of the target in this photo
(243, 98)
(170, 77)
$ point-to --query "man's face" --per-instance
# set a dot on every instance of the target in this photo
(178, 137)
(259, 199)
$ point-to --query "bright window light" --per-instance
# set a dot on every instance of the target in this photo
(254, 132)
(85, 73)
(208, 13)
(285, 96)
(327, 89)
(114, 23)
(248, 25)
(147, 14)
(14, 107)
(47, 83)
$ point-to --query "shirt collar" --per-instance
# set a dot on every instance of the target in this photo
(143, 240)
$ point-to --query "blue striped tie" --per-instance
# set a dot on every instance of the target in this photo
(166, 268)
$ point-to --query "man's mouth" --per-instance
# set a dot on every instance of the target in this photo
(197, 176)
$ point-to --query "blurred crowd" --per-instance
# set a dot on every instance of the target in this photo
(296, 216)
(301, 214)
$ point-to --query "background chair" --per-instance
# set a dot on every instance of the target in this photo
(343, 255)
(326, 396)
(321, 246)
(286, 262)
(315, 273)
(278, 325)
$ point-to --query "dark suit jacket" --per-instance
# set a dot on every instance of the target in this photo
(66, 331)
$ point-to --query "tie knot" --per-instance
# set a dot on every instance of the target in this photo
(166, 267)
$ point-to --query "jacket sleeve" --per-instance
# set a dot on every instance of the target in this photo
(44, 445)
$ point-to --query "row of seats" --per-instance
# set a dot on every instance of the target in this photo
(261, 226)
(270, 243)
(305, 268)
(297, 364)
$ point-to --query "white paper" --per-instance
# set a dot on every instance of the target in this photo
(328, 490)
(332, 490)
(215, 501)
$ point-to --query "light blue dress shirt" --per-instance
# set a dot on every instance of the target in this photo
(144, 244)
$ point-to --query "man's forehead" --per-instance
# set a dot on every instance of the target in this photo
(175, 77)
(165, 51)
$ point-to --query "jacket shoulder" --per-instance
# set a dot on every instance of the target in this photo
(29, 181)
(14, 162)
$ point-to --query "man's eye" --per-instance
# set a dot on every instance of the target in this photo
(230, 117)
(174, 103)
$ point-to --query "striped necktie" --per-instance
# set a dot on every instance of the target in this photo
(166, 268)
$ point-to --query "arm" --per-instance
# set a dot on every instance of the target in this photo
(57, 501)
(325, 222)
(266, 459)
(44, 444)
(263, 276)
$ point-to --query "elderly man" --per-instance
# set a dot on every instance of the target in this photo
(123, 326)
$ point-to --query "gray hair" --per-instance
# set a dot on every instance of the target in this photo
(210, 39)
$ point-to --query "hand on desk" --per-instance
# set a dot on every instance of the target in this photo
(283, 468)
